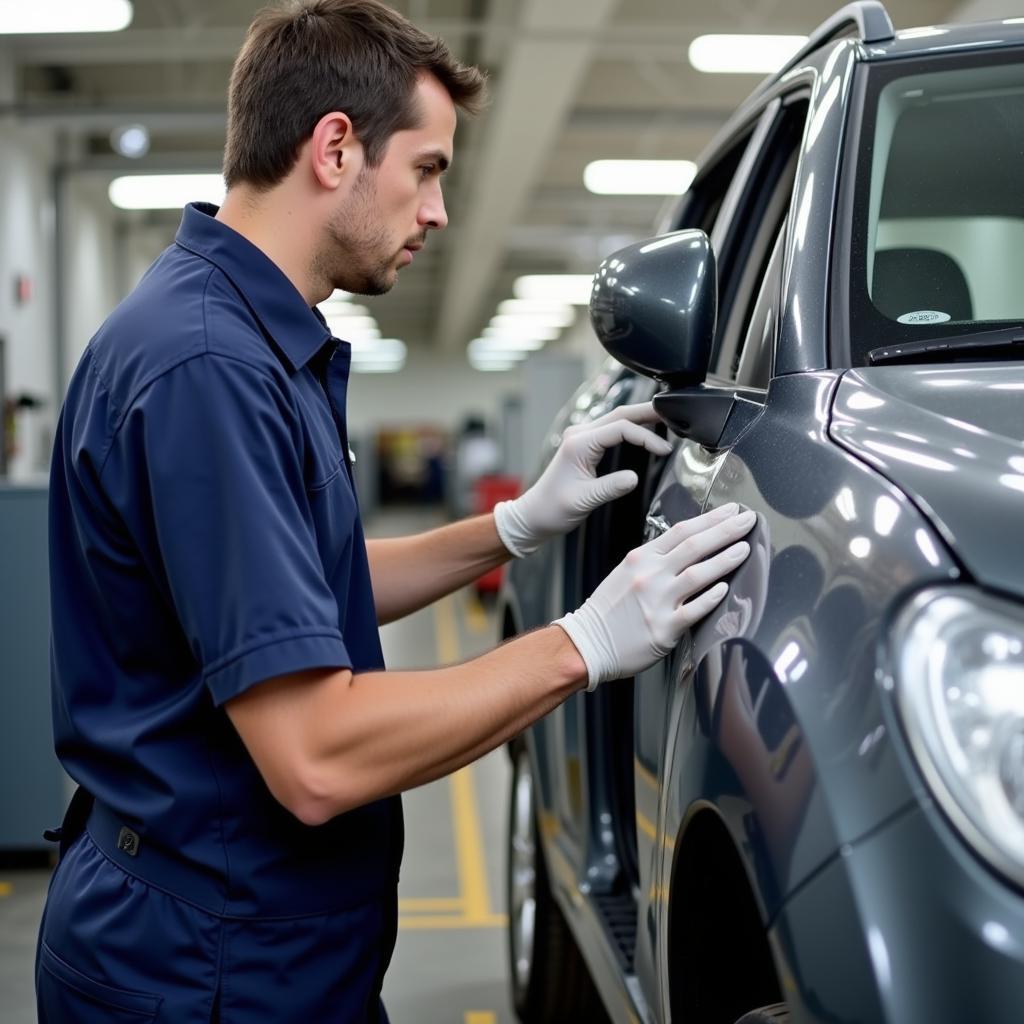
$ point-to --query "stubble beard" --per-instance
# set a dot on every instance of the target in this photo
(355, 255)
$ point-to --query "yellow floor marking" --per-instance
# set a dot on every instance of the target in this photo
(473, 906)
(646, 826)
(447, 629)
(428, 904)
(476, 615)
(644, 775)
(481, 1017)
(6, 888)
(469, 847)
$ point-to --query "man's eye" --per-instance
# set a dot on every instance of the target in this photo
(426, 170)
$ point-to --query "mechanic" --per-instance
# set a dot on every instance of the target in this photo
(232, 853)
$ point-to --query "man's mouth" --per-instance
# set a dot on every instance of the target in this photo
(411, 248)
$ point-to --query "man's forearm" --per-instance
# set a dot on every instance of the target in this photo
(328, 742)
(408, 573)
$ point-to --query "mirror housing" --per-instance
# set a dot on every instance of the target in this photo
(655, 304)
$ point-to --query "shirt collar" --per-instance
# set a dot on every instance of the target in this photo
(296, 328)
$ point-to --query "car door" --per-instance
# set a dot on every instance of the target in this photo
(749, 239)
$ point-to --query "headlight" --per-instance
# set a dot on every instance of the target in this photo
(959, 676)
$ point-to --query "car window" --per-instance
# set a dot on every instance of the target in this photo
(938, 213)
(754, 236)
(754, 360)
(702, 203)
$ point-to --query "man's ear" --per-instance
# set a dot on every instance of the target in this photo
(335, 154)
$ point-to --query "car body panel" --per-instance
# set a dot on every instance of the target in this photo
(794, 642)
(872, 959)
(951, 437)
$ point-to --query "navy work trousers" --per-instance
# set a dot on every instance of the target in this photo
(115, 948)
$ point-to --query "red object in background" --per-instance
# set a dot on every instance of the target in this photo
(487, 492)
(22, 289)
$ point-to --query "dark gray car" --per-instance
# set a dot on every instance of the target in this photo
(814, 809)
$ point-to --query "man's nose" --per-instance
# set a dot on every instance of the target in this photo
(433, 214)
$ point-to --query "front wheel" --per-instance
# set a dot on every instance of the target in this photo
(550, 983)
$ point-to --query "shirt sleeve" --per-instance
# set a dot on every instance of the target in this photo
(207, 468)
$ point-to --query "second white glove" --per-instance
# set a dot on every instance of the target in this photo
(569, 489)
(643, 606)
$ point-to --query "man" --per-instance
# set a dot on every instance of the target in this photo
(219, 690)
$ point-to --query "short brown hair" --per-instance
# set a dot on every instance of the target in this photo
(311, 57)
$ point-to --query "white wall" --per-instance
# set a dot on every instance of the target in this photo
(26, 248)
(91, 268)
(581, 340)
(430, 389)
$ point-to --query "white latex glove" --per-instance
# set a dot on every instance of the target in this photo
(643, 606)
(569, 489)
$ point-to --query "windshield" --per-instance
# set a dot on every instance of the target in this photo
(938, 226)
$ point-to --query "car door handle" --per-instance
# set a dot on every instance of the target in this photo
(656, 525)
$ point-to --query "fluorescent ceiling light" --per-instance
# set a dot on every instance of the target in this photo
(350, 323)
(504, 349)
(572, 288)
(531, 320)
(22, 16)
(522, 333)
(639, 177)
(492, 365)
(389, 367)
(339, 308)
(513, 307)
(743, 54)
(379, 349)
(384, 355)
(165, 191)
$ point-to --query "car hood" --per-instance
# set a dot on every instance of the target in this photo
(952, 438)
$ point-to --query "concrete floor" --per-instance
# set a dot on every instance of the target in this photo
(450, 962)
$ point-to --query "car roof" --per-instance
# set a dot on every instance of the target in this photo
(931, 39)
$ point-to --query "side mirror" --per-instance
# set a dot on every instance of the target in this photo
(654, 306)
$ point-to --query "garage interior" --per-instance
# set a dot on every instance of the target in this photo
(436, 402)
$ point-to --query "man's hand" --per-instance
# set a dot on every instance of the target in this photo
(643, 606)
(569, 488)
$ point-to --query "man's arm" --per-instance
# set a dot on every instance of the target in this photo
(326, 742)
(411, 572)
(408, 573)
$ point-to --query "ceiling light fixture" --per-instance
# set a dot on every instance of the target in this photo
(522, 334)
(504, 348)
(514, 307)
(531, 320)
(572, 288)
(165, 191)
(20, 18)
(131, 140)
(744, 54)
(488, 361)
(639, 177)
(380, 355)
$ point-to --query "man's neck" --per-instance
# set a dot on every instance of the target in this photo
(271, 222)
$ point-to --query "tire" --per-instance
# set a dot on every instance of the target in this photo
(777, 1013)
(548, 978)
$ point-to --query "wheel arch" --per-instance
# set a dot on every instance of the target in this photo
(719, 957)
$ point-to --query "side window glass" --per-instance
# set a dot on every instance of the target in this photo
(704, 200)
(754, 359)
(746, 290)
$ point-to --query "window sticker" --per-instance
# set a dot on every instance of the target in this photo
(924, 316)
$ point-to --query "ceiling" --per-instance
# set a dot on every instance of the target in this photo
(571, 80)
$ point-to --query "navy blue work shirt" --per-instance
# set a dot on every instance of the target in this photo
(205, 537)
